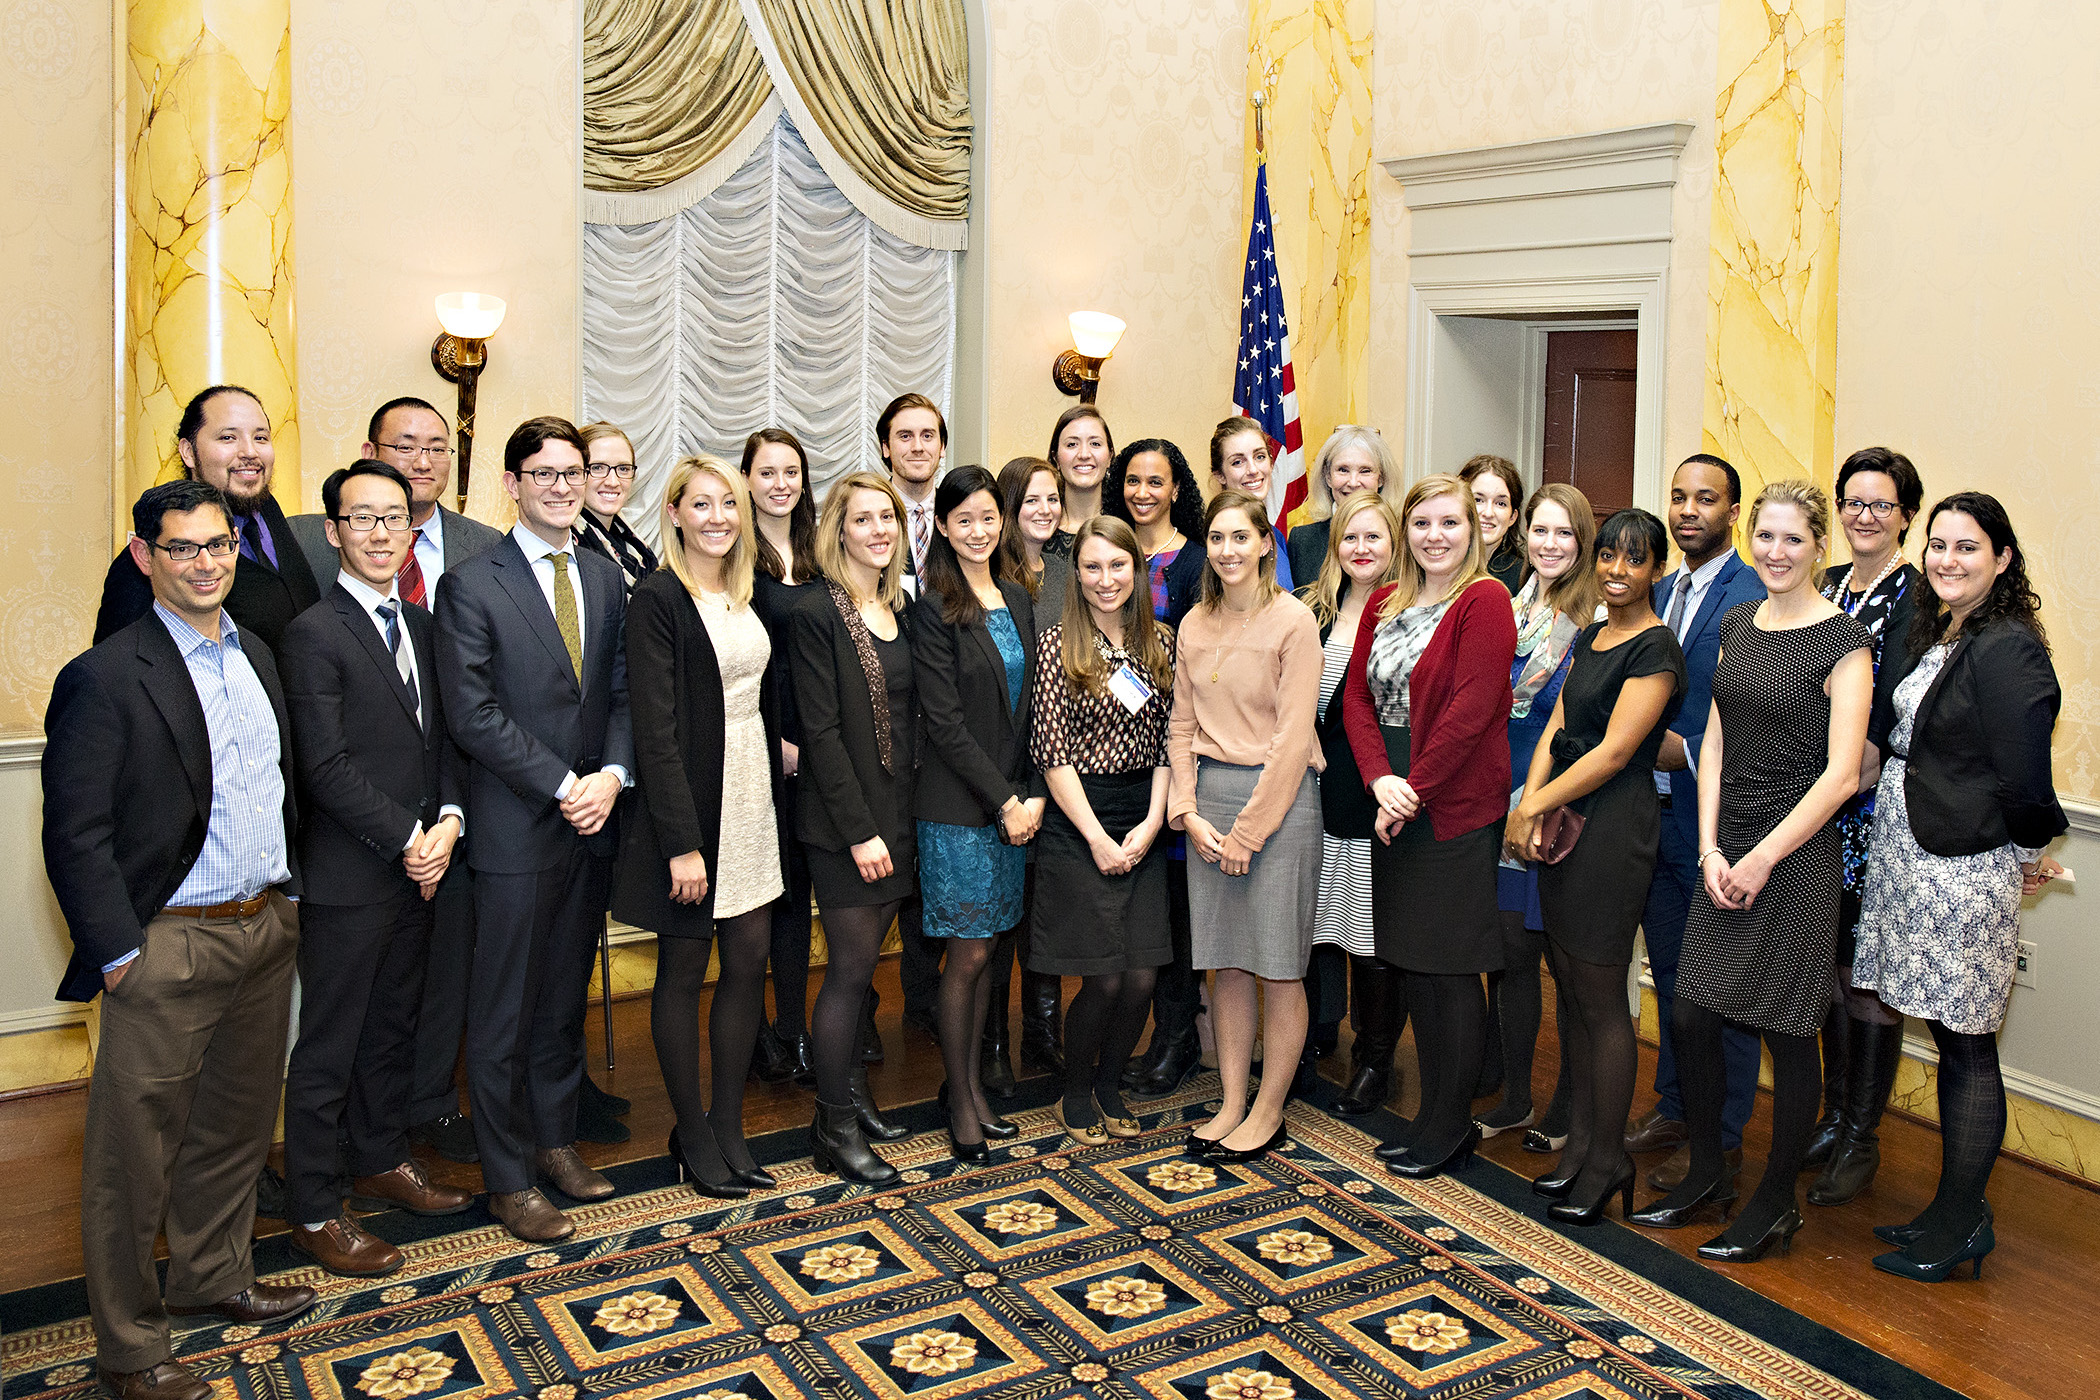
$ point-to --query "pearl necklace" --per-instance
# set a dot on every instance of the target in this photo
(1895, 562)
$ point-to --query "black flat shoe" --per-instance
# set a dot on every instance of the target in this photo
(1982, 1240)
(1781, 1233)
(998, 1127)
(1568, 1213)
(1200, 1147)
(687, 1172)
(1721, 1193)
(1459, 1157)
(1222, 1153)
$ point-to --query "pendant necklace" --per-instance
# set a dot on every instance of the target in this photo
(1219, 660)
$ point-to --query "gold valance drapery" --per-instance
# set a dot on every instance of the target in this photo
(677, 93)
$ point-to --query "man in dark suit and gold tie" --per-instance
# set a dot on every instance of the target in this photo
(168, 817)
(532, 664)
(382, 785)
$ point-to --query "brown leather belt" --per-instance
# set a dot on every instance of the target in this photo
(232, 909)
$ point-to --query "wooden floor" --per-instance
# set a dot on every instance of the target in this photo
(2026, 1329)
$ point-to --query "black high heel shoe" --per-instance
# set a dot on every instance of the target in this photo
(1568, 1213)
(997, 1127)
(719, 1190)
(1457, 1159)
(1982, 1240)
(753, 1176)
(1658, 1217)
(1555, 1187)
(1781, 1233)
(1904, 1236)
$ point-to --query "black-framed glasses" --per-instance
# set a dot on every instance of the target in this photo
(623, 470)
(547, 476)
(182, 551)
(1853, 505)
(438, 455)
(363, 520)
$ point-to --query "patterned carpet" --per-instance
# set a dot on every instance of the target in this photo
(1126, 1270)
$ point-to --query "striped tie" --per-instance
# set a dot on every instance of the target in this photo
(565, 613)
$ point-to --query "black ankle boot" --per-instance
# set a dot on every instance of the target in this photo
(1371, 1079)
(995, 1066)
(837, 1146)
(1837, 1041)
(1042, 1023)
(871, 1120)
(1876, 1054)
(1179, 1057)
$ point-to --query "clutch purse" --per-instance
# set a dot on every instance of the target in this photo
(1559, 830)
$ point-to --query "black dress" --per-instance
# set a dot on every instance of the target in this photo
(1593, 899)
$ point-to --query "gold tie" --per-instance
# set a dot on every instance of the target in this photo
(565, 613)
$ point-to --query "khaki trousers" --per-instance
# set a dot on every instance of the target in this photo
(181, 1111)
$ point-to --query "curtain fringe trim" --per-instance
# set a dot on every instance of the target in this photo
(631, 207)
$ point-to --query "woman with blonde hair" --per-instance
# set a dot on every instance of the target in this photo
(858, 695)
(1427, 708)
(1354, 458)
(700, 841)
(1246, 759)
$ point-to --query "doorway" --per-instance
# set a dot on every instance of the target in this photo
(1591, 402)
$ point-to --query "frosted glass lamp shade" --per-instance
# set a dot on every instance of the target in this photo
(1094, 334)
(470, 315)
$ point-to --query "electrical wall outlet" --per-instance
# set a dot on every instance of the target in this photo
(2023, 970)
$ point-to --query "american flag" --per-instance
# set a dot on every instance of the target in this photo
(1264, 386)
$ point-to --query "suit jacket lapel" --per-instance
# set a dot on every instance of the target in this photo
(598, 606)
(520, 582)
(1710, 603)
(1932, 692)
(166, 678)
(367, 634)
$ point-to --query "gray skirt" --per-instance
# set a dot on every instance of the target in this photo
(1262, 921)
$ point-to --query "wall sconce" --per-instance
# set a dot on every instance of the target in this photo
(460, 354)
(1094, 337)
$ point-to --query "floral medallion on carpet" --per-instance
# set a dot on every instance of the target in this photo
(1128, 1270)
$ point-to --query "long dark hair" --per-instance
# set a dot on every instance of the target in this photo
(802, 520)
(2012, 595)
(942, 577)
(1187, 511)
(1012, 559)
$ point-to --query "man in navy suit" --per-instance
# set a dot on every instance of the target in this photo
(533, 669)
(1705, 499)
(382, 789)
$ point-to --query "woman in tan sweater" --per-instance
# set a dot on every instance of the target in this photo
(1245, 758)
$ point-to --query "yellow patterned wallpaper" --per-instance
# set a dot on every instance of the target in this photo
(436, 151)
(57, 187)
(1113, 184)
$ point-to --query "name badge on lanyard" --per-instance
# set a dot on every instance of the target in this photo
(1130, 688)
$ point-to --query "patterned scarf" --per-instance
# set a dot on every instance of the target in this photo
(870, 667)
(1543, 638)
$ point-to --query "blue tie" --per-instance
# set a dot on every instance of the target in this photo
(390, 613)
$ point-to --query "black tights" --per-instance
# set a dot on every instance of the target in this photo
(966, 987)
(732, 1030)
(1596, 1033)
(1797, 1087)
(1972, 1128)
(1102, 1026)
(853, 940)
(1521, 1001)
(1450, 1016)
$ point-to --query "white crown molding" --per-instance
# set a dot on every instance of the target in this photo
(1624, 158)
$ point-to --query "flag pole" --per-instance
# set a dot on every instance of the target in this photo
(1258, 101)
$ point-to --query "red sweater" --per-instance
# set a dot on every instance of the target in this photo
(1458, 710)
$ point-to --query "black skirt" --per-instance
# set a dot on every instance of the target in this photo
(1433, 905)
(1595, 896)
(1085, 923)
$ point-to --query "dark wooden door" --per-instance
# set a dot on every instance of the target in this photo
(1589, 415)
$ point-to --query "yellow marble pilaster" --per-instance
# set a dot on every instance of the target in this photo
(1313, 59)
(1771, 347)
(206, 214)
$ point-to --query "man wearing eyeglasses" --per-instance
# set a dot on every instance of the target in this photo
(410, 435)
(533, 668)
(168, 813)
(383, 786)
(224, 440)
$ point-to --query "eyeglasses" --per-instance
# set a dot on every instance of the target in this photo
(182, 551)
(437, 456)
(597, 470)
(547, 476)
(1852, 505)
(363, 520)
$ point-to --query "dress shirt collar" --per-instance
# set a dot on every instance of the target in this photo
(536, 548)
(188, 639)
(434, 528)
(368, 597)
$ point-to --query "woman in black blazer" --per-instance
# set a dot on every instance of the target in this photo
(700, 839)
(858, 697)
(1964, 807)
(973, 651)
(1354, 458)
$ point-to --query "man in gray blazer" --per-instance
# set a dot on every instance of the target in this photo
(411, 436)
(532, 663)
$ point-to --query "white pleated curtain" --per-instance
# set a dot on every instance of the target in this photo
(770, 302)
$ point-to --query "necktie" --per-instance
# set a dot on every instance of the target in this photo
(404, 654)
(410, 577)
(1675, 621)
(921, 536)
(254, 543)
(565, 613)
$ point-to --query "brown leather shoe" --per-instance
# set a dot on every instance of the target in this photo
(342, 1247)
(170, 1380)
(1670, 1175)
(571, 1175)
(258, 1302)
(1652, 1132)
(407, 1187)
(530, 1216)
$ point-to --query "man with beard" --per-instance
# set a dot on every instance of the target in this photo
(224, 441)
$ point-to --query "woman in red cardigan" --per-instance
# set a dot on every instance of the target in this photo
(1427, 709)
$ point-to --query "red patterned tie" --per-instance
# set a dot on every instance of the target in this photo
(411, 576)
